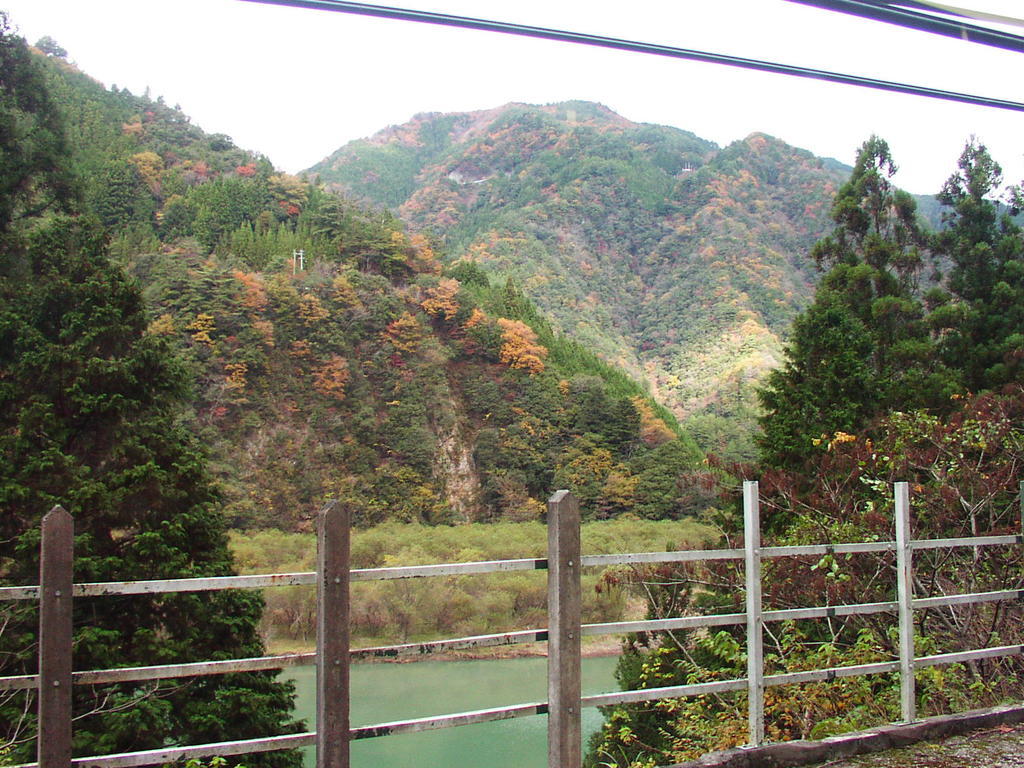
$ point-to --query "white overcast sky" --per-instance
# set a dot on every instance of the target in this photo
(296, 84)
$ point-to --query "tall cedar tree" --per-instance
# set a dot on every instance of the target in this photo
(89, 408)
(862, 347)
(982, 318)
(33, 168)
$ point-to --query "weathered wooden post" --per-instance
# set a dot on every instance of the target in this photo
(755, 624)
(1021, 499)
(55, 628)
(565, 737)
(332, 637)
(905, 601)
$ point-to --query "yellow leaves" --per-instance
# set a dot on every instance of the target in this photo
(288, 189)
(201, 328)
(838, 438)
(479, 253)
(311, 310)
(520, 348)
(236, 373)
(441, 299)
(405, 333)
(620, 488)
(425, 258)
(330, 378)
(344, 293)
(150, 165)
(162, 326)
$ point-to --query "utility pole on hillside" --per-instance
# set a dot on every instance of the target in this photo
(298, 261)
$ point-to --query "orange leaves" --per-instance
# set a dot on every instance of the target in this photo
(330, 378)
(300, 350)
(405, 333)
(520, 348)
(653, 431)
(265, 329)
(311, 310)
(255, 297)
(424, 259)
(441, 299)
(476, 317)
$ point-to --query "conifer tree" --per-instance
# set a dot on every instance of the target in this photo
(33, 177)
(89, 419)
(862, 347)
(982, 317)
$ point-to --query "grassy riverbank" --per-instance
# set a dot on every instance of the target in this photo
(413, 610)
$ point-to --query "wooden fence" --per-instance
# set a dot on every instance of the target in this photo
(563, 564)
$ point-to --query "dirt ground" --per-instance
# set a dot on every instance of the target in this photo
(999, 747)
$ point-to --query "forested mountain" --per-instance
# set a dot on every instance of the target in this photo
(896, 372)
(681, 261)
(364, 371)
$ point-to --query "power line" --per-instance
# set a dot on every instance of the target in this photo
(880, 10)
(543, 33)
(966, 13)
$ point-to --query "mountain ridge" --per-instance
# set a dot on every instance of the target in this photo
(678, 259)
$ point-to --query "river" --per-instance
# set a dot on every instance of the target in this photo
(386, 692)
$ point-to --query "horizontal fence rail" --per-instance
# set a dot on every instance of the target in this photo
(563, 565)
(308, 578)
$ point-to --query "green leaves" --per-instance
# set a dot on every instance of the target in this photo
(88, 419)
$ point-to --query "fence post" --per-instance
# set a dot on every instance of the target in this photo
(332, 637)
(905, 600)
(755, 637)
(1021, 499)
(565, 737)
(55, 628)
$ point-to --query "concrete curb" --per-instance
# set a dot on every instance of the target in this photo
(791, 753)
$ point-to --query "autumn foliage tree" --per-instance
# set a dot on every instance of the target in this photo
(519, 347)
(441, 300)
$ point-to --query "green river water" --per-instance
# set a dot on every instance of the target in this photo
(386, 692)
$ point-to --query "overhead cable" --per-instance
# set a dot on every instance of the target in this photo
(969, 13)
(466, 22)
(879, 10)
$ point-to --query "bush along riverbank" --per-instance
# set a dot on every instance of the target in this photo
(414, 610)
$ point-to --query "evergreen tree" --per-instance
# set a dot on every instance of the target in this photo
(89, 419)
(825, 385)
(33, 177)
(982, 318)
(862, 347)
